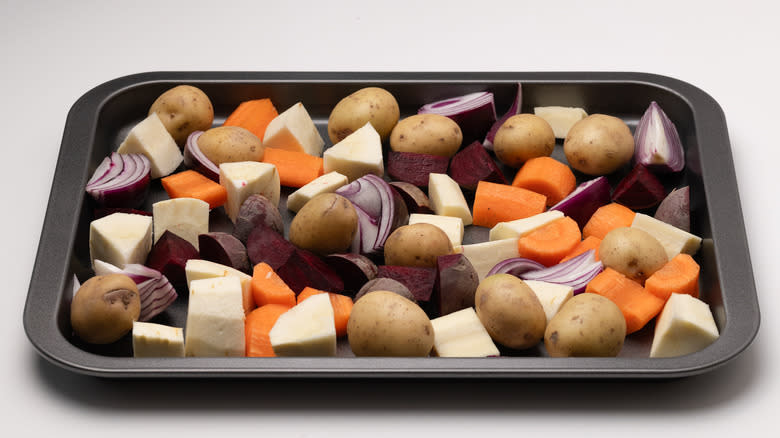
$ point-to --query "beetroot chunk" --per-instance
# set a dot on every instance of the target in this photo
(639, 189)
(415, 199)
(257, 209)
(419, 281)
(354, 269)
(675, 209)
(474, 164)
(169, 255)
(266, 245)
(225, 249)
(414, 168)
(304, 268)
(456, 284)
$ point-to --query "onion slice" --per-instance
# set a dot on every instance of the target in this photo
(195, 159)
(513, 110)
(475, 113)
(121, 180)
(658, 145)
(576, 272)
(515, 266)
(585, 200)
(154, 289)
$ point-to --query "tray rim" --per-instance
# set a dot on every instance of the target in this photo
(718, 177)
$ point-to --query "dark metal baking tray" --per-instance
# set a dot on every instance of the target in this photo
(101, 118)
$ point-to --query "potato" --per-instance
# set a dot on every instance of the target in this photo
(522, 137)
(383, 323)
(510, 311)
(416, 245)
(325, 225)
(599, 145)
(588, 325)
(104, 308)
(632, 252)
(230, 144)
(431, 134)
(371, 104)
(183, 110)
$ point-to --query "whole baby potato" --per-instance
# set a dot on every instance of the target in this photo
(325, 225)
(104, 308)
(632, 252)
(431, 134)
(416, 245)
(370, 104)
(383, 323)
(522, 137)
(510, 311)
(183, 109)
(229, 144)
(588, 325)
(599, 145)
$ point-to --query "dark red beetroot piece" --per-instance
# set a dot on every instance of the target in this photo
(675, 209)
(639, 189)
(257, 209)
(415, 199)
(304, 268)
(105, 211)
(474, 164)
(225, 249)
(387, 284)
(456, 284)
(266, 245)
(414, 168)
(354, 269)
(419, 281)
(169, 255)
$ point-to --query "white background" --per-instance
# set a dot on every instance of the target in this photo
(51, 52)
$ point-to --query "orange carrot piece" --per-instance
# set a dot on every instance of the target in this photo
(296, 169)
(257, 326)
(590, 242)
(607, 218)
(679, 275)
(637, 304)
(269, 288)
(550, 243)
(342, 307)
(191, 184)
(494, 203)
(253, 115)
(547, 176)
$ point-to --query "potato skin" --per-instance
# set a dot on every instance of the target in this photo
(588, 325)
(104, 308)
(431, 134)
(632, 252)
(383, 323)
(416, 245)
(599, 145)
(522, 137)
(325, 225)
(184, 109)
(370, 104)
(230, 144)
(510, 311)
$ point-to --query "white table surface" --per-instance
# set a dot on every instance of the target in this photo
(51, 52)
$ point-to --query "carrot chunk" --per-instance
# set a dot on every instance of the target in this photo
(191, 184)
(590, 242)
(269, 288)
(551, 242)
(547, 176)
(637, 304)
(296, 169)
(253, 115)
(606, 219)
(679, 275)
(257, 325)
(494, 203)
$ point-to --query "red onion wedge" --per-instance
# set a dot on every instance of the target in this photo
(154, 289)
(379, 208)
(576, 272)
(196, 160)
(585, 200)
(658, 145)
(515, 266)
(121, 180)
(475, 113)
(513, 110)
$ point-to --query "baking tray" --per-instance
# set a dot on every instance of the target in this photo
(99, 121)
